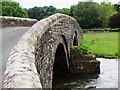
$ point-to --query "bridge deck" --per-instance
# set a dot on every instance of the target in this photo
(10, 37)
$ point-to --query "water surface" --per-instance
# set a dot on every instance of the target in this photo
(108, 77)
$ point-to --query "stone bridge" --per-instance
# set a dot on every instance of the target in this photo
(42, 53)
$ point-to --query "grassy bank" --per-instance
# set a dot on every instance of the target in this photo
(102, 44)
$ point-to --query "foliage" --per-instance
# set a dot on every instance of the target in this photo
(82, 49)
(86, 14)
(11, 8)
(64, 11)
(115, 21)
(106, 9)
(117, 7)
(0, 8)
(102, 44)
(26, 10)
(41, 12)
(91, 14)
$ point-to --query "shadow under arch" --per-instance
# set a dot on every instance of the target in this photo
(65, 41)
(61, 63)
(75, 40)
(67, 51)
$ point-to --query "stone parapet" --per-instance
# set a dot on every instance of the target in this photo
(16, 21)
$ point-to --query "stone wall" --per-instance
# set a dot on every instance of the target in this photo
(16, 21)
(30, 64)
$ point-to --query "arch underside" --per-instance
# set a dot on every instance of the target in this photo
(60, 65)
(75, 40)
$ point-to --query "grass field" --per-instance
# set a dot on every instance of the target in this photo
(102, 44)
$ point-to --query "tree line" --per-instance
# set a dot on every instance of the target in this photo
(88, 14)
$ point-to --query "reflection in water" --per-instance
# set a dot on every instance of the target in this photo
(108, 78)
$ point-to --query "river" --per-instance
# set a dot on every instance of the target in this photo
(108, 77)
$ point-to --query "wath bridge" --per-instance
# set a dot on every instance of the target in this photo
(42, 53)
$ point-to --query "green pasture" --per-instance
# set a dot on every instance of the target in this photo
(102, 44)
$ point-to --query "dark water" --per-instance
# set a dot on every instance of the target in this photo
(108, 77)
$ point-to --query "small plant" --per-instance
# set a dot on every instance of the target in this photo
(82, 49)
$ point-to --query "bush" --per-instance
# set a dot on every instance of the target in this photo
(115, 21)
(82, 49)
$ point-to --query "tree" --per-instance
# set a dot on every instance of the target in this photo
(115, 20)
(26, 10)
(36, 13)
(106, 9)
(86, 13)
(0, 8)
(41, 12)
(117, 7)
(11, 8)
(64, 11)
(49, 11)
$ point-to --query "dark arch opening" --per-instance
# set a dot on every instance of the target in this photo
(60, 68)
(65, 41)
(75, 40)
(68, 56)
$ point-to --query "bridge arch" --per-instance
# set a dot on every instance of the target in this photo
(60, 61)
(60, 66)
(62, 42)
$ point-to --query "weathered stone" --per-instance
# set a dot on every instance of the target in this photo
(85, 64)
(16, 21)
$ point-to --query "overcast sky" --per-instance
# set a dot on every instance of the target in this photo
(55, 3)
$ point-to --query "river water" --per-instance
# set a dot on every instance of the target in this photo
(108, 77)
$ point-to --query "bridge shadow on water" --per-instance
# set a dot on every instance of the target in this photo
(71, 82)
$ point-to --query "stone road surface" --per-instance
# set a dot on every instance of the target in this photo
(8, 39)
